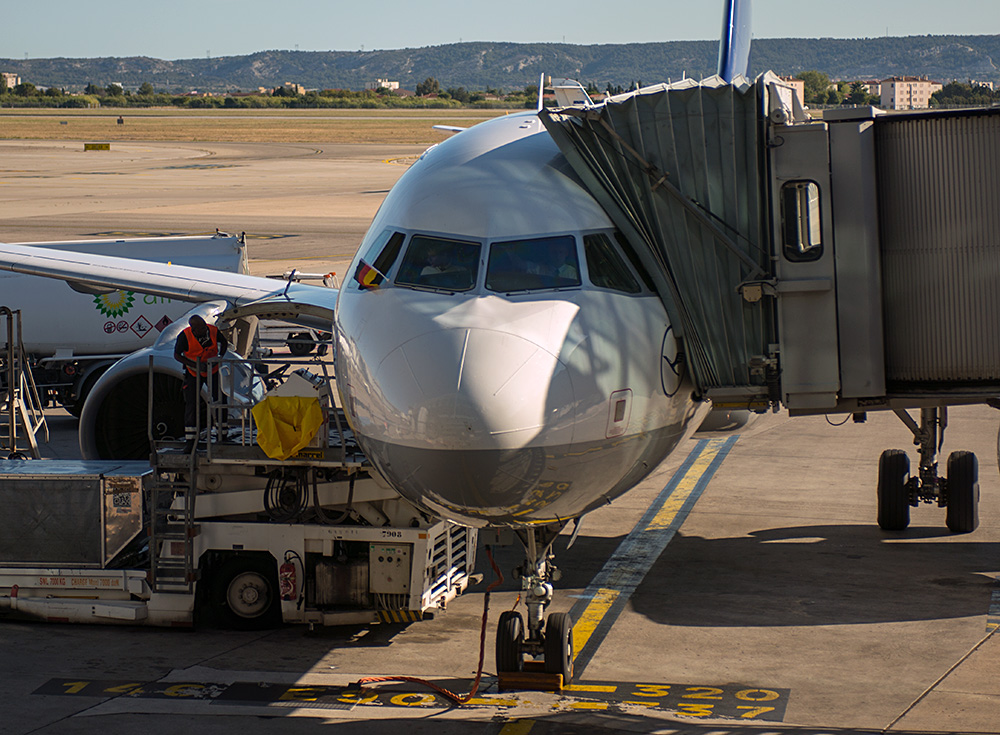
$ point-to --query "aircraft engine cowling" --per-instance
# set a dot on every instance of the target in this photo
(113, 423)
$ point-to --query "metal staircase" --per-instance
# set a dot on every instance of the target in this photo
(21, 414)
(172, 531)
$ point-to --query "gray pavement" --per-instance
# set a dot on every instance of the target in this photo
(777, 581)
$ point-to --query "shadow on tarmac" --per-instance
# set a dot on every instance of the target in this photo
(818, 575)
(805, 575)
(441, 724)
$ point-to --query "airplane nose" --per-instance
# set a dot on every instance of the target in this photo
(477, 389)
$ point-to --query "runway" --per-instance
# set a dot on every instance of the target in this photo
(743, 587)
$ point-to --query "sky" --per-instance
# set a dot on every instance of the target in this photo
(183, 29)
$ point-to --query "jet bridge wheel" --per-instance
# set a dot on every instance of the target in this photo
(510, 636)
(244, 593)
(893, 493)
(963, 492)
(559, 646)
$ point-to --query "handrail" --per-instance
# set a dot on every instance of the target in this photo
(239, 380)
(22, 393)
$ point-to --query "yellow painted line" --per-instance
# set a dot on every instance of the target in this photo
(592, 617)
(608, 688)
(685, 487)
(493, 702)
(605, 597)
(590, 705)
(517, 727)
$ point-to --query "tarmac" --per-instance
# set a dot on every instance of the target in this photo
(744, 587)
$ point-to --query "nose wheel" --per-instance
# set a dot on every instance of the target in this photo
(510, 638)
(548, 639)
(559, 646)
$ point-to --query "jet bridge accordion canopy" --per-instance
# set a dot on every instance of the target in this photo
(679, 169)
(939, 203)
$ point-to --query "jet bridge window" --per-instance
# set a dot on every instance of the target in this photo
(605, 267)
(529, 265)
(438, 263)
(801, 225)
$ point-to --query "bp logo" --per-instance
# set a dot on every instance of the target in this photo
(115, 303)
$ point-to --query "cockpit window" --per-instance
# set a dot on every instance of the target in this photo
(434, 262)
(633, 258)
(527, 265)
(381, 253)
(384, 262)
(605, 267)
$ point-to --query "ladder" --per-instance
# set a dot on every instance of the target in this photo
(20, 405)
(172, 530)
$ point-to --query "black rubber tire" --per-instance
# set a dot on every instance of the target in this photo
(963, 492)
(77, 407)
(893, 496)
(300, 344)
(244, 593)
(510, 635)
(559, 646)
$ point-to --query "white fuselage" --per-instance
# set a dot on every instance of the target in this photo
(535, 376)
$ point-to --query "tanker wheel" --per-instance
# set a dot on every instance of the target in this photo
(244, 594)
(893, 495)
(300, 344)
(559, 646)
(510, 636)
(76, 408)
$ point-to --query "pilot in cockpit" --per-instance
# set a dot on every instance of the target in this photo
(439, 261)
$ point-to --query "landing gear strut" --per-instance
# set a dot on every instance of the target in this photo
(552, 640)
(898, 491)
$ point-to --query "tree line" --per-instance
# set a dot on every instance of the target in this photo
(429, 94)
(819, 90)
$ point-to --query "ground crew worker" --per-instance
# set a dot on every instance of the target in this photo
(195, 345)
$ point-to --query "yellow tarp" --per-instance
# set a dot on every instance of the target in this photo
(285, 424)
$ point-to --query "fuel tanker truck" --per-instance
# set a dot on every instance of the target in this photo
(73, 333)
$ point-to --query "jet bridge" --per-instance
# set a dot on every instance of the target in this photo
(833, 265)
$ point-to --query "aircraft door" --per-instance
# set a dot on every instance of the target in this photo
(804, 255)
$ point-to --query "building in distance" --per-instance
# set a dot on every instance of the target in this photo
(382, 84)
(907, 93)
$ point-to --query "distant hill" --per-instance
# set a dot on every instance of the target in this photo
(509, 66)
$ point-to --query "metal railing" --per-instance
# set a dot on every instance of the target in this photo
(229, 394)
(22, 401)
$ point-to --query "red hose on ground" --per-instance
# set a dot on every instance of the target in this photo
(456, 698)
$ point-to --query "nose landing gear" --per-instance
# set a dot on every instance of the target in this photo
(898, 491)
(552, 640)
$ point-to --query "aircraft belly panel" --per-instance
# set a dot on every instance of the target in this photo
(522, 487)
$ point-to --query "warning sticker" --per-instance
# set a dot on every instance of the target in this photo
(141, 326)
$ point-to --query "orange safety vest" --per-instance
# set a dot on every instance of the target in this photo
(196, 351)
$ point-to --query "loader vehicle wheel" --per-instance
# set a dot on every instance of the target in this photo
(245, 593)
